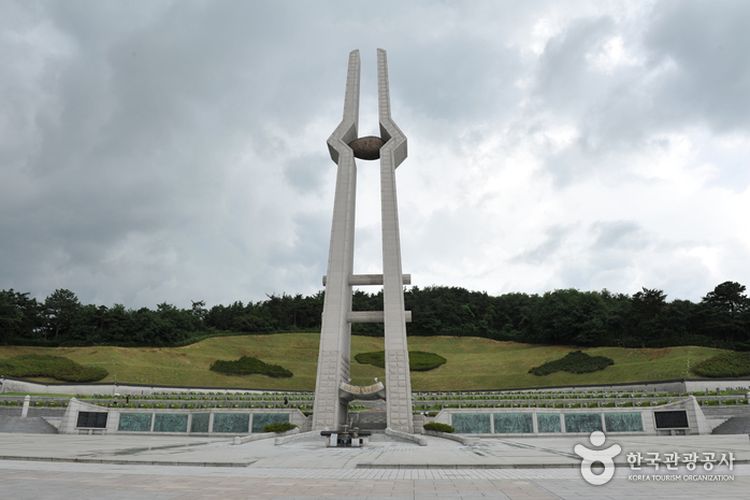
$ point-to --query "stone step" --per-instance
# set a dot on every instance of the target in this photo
(735, 425)
(369, 420)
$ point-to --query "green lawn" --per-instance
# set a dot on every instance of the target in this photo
(473, 363)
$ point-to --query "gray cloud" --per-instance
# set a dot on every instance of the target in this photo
(687, 69)
(553, 241)
(564, 78)
(300, 172)
(176, 150)
(618, 235)
(704, 47)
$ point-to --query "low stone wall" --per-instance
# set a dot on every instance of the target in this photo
(8, 384)
(676, 386)
(713, 385)
(406, 436)
(524, 422)
(216, 422)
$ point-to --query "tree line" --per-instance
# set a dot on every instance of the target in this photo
(585, 318)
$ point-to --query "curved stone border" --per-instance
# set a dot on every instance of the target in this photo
(415, 438)
(453, 437)
(298, 436)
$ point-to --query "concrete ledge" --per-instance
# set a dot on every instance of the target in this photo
(263, 435)
(453, 437)
(252, 437)
(296, 436)
(405, 435)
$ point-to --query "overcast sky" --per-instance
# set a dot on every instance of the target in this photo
(175, 150)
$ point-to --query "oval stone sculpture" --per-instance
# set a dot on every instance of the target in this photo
(367, 148)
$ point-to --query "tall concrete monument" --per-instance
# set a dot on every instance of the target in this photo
(333, 389)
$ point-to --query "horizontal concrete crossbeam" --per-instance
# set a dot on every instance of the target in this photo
(370, 279)
(373, 316)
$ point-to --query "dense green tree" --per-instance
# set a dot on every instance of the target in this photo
(222, 317)
(514, 316)
(649, 302)
(571, 316)
(728, 297)
(646, 322)
(61, 309)
(723, 313)
(568, 316)
(20, 315)
(118, 323)
(11, 315)
(199, 310)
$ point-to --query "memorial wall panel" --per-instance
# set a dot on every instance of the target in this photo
(199, 422)
(135, 422)
(231, 422)
(548, 422)
(513, 423)
(583, 422)
(471, 423)
(170, 422)
(623, 422)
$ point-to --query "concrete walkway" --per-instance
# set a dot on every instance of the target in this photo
(382, 451)
(42, 466)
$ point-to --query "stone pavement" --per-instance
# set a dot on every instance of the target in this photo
(494, 468)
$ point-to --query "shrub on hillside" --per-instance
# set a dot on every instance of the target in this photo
(573, 362)
(376, 358)
(279, 427)
(56, 367)
(248, 365)
(419, 361)
(728, 364)
(438, 427)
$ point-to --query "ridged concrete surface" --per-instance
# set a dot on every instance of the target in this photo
(32, 425)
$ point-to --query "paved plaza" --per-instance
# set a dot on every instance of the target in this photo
(69, 466)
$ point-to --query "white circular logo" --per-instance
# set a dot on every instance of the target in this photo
(591, 456)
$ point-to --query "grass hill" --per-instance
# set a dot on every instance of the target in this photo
(472, 363)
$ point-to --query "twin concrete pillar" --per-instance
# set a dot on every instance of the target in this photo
(333, 389)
